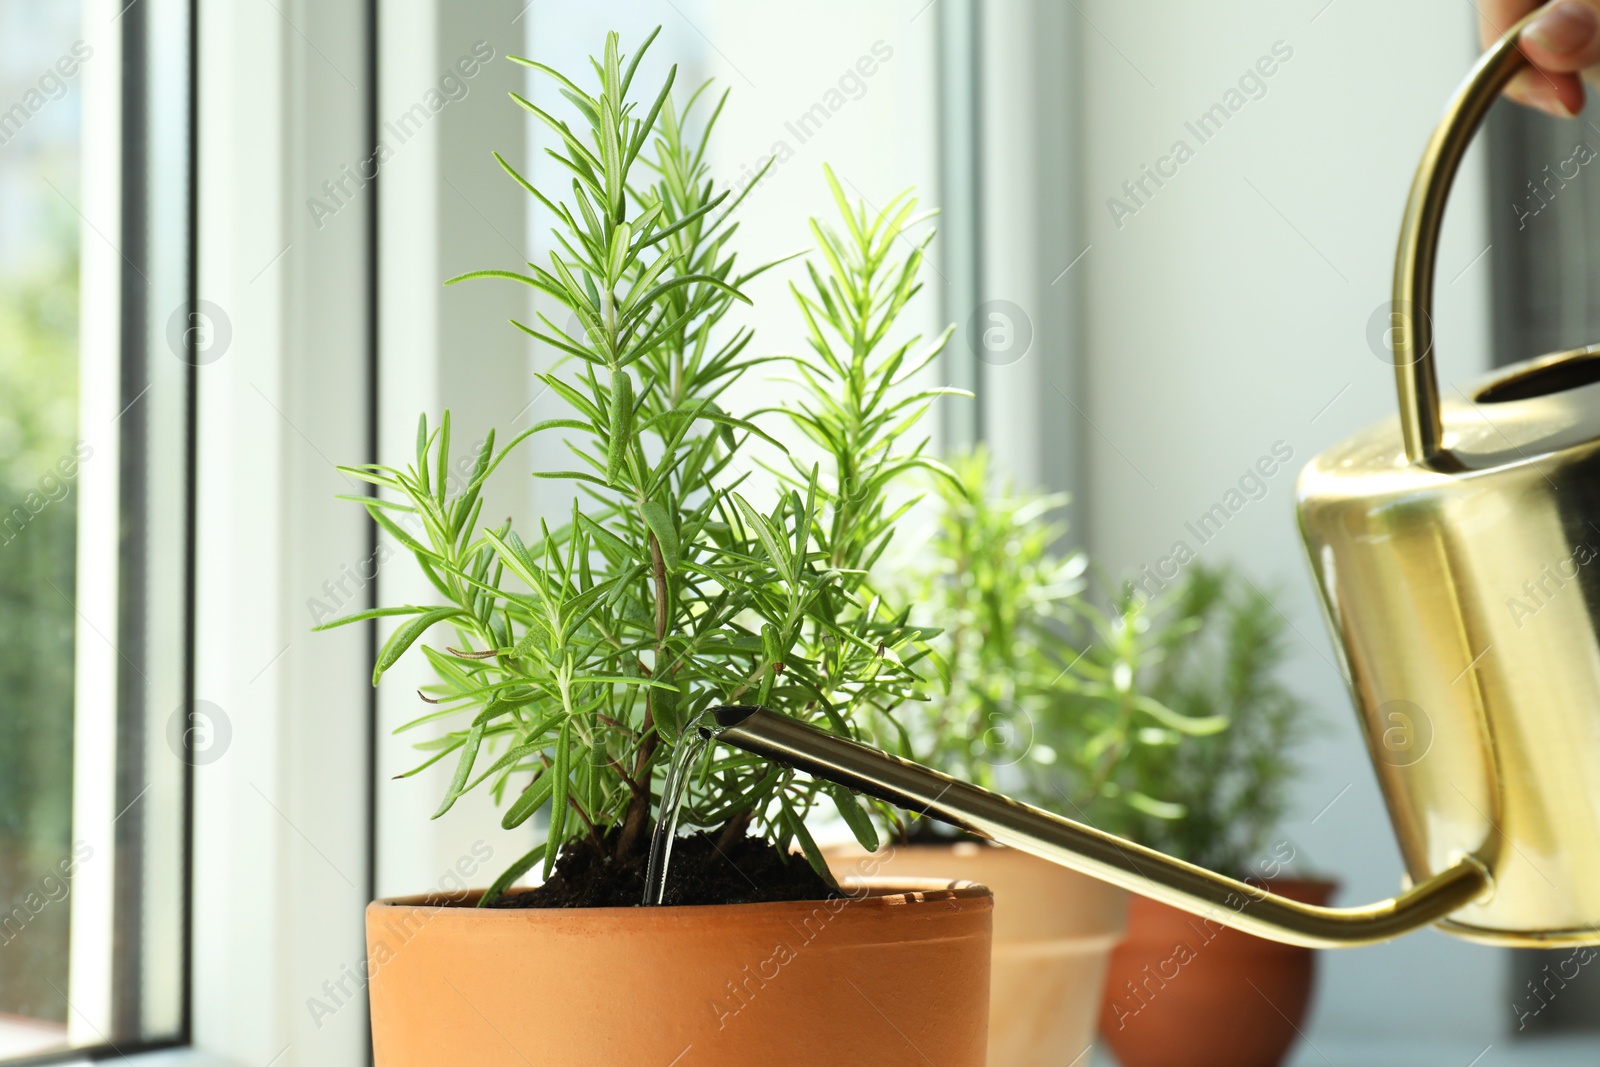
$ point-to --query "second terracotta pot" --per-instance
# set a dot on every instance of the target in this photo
(1186, 990)
(1054, 931)
(895, 973)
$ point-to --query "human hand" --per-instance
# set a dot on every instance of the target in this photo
(1562, 46)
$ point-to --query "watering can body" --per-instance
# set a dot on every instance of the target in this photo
(1464, 596)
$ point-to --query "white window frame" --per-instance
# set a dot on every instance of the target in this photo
(445, 208)
(277, 119)
(281, 829)
(95, 657)
(104, 881)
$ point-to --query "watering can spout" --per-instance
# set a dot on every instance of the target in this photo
(1082, 848)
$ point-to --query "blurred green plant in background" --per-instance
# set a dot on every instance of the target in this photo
(1218, 650)
(1158, 718)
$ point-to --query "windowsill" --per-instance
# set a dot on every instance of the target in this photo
(177, 1057)
(20, 1036)
(1398, 1052)
(1401, 1052)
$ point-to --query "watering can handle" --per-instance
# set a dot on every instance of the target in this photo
(1411, 313)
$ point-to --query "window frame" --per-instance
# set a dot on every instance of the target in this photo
(282, 843)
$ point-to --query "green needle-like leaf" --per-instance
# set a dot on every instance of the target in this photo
(406, 636)
(659, 520)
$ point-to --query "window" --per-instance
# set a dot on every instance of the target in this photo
(97, 353)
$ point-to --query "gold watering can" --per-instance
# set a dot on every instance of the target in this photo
(1453, 550)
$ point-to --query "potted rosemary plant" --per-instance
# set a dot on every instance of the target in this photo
(1221, 644)
(1036, 693)
(573, 660)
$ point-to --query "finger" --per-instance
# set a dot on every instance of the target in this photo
(1495, 17)
(1555, 94)
(1550, 88)
(1565, 38)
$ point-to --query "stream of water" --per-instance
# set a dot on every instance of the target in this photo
(674, 790)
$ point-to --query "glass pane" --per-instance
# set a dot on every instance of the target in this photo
(39, 457)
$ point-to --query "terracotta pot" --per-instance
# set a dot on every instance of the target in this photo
(1054, 931)
(894, 973)
(1186, 990)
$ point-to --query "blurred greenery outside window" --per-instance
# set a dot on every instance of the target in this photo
(39, 458)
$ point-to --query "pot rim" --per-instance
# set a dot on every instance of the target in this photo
(851, 849)
(878, 892)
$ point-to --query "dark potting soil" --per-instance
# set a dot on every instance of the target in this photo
(748, 871)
